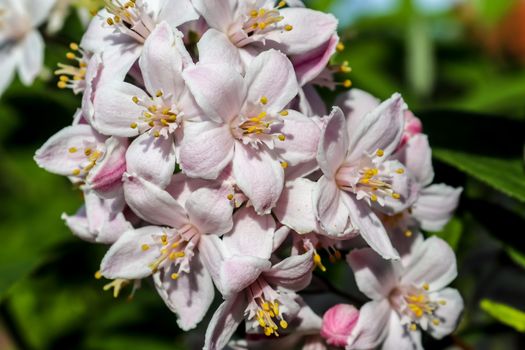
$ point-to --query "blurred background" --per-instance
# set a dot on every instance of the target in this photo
(460, 65)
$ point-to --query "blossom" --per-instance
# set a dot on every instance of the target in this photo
(338, 323)
(248, 126)
(181, 219)
(358, 174)
(253, 287)
(155, 115)
(120, 30)
(407, 296)
(21, 45)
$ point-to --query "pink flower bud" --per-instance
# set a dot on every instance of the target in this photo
(338, 323)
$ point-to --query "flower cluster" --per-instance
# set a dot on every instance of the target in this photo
(205, 153)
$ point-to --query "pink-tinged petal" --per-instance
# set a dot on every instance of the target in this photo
(213, 253)
(189, 296)
(309, 65)
(355, 104)
(238, 272)
(218, 14)
(218, 89)
(225, 321)
(161, 63)
(311, 29)
(280, 237)
(98, 34)
(152, 203)
(448, 312)
(251, 235)
(402, 184)
(215, 47)
(372, 326)
(295, 207)
(311, 103)
(400, 337)
(115, 110)
(128, 259)
(32, 57)
(330, 209)
(181, 187)
(436, 205)
(433, 262)
(210, 211)
(382, 128)
(55, 155)
(301, 139)
(416, 155)
(370, 227)
(333, 144)
(119, 59)
(293, 273)
(78, 224)
(259, 175)
(206, 149)
(152, 158)
(338, 323)
(271, 75)
(375, 276)
(302, 170)
(106, 175)
(177, 12)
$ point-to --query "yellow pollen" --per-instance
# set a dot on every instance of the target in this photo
(408, 233)
(133, 125)
(76, 172)
(284, 165)
(164, 240)
(281, 4)
(380, 153)
(110, 21)
(159, 93)
(340, 47)
(73, 150)
(262, 25)
(70, 56)
(98, 275)
(318, 262)
(230, 197)
(282, 137)
(254, 13)
(373, 198)
(396, 195)
(264, 100)
(413, 327)
(283, 324)
(442, 302)
(268, 331)
(288, 28)
(152, 109)
(284, 113)
(347, 83)
(400, 171)
(174, 276)
(87, 152)
(63, 78)
(426, 286)
(62, 85)
(436, 322)
(156, 134)
(145, 247)
(74, 46)
(135, 99)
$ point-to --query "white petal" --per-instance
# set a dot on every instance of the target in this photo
(436, 205)
(295, 207)
(224, 322)
(32, 57)
(372, 326)
(333, 145)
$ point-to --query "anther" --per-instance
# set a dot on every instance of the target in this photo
(340, 47)
(284, 165)
(72, 150)
(76, 172)
(133, 125)
(400, 171)
(74, 46)
(347, 83)
(396, 195)
(284, 113)
(145, 247)
(408, 233)
(174, 276)
(70, 56)
(380, 153)
(135, 99)
(264, 100)
(98, 275)
(288, 28)
(282, 137)
(230, 197)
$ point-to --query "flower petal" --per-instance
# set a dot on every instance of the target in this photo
(218, 89)
(433, 262)
(259, 175)
(436, 205)
(238, 272)
(333, 144)
(115, 110)
(189, 296)
(381, 128)
(106, 175)
(448, 312)
(293, 273)
(251, 235)
(210, 211)
(375, 276)
(295, 207)
(400, 337)
(127, 259)
(355, 104)
(152, 158)
(215, 47)
(301, 139)
(372, 326)
(271, 75)
(206, 149)
(225, 321)
(32, 57)
(370, 227)
(416, 155)
(218, 14)
(177, 12)
(309, 65)
(330, 209)
(152, 203)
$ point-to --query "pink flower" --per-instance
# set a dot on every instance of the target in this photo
(248, 126)
(358, 174)
(338, 323)
(408, 296)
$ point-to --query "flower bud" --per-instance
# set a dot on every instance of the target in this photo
(338, 323)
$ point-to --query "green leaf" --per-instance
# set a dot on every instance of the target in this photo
(505, 314)
(516, 256)
(452, 232)
(505, 175)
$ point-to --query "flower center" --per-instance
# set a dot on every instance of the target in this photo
(176, 249)
(130, 18)
(73, 76)
(160, 116)
(259, 21)
(269, 316)
(90, 154)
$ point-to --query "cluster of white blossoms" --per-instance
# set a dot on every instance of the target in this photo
(208, 161)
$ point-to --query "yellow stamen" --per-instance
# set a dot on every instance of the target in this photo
(282, 137)
(347, 83)
(174, 276)
(264, 100)
(284, 165)
(145, 247)
(284, 113)
(288, 28)
(340, 47)
(98, 275)
(73, 150)
(76, 172)
(133, 125)
(380, 153)
(400, 171)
